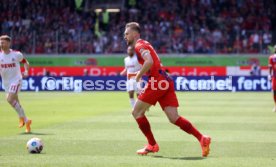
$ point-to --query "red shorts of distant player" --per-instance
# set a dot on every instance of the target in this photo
(155, 92)
(273, 83)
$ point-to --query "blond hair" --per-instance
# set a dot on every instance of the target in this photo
(134, 26)
(5, 37)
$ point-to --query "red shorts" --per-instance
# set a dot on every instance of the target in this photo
(161, 90)
(274, 83)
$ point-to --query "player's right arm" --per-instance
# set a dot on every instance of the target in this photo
(270, 68)
(148, 62)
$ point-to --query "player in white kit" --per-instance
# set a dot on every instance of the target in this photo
(132, 66)
(12, 77)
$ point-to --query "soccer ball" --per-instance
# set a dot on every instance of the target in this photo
(34, 145)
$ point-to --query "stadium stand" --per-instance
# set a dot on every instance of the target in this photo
(180, 26)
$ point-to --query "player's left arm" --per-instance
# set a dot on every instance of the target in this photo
(26, 64)
(124, 72)
(148, 62)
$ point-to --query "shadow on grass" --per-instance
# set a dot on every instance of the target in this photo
(42, 153)
(35, 133)
(178, 158)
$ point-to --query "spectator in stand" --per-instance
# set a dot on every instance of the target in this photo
(198, 26)
(255, 70)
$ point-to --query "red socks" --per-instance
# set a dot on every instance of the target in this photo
(185, 125)
(145, 128)
(181, 122)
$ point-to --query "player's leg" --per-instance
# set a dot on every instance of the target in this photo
(143, 123)
(27, 121)
(131, 98)
(131, 89)
(181, 122)
(13, 100)
(187, 126)
(274, 93)
(274, 98)
(169, 104)
(139, 109)
(139, 89)
(148, 96)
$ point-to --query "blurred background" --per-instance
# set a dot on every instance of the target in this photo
(179, 26)
(205, 45)
(193, 37)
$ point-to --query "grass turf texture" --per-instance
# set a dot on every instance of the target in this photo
(97, 129)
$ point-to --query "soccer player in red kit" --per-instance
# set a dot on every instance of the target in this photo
(272, 75)
(160, 88)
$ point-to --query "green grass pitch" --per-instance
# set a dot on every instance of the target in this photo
(97, 129)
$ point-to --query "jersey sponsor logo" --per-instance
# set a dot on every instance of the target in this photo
(11, 65)
(130, 66)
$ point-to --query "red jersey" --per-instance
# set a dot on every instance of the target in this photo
(142, 46)
(165, 97)
(272, 63)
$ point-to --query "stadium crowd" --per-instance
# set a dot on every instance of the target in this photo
(179, 26)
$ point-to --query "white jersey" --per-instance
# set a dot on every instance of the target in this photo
(10, 67)
(132, 65)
